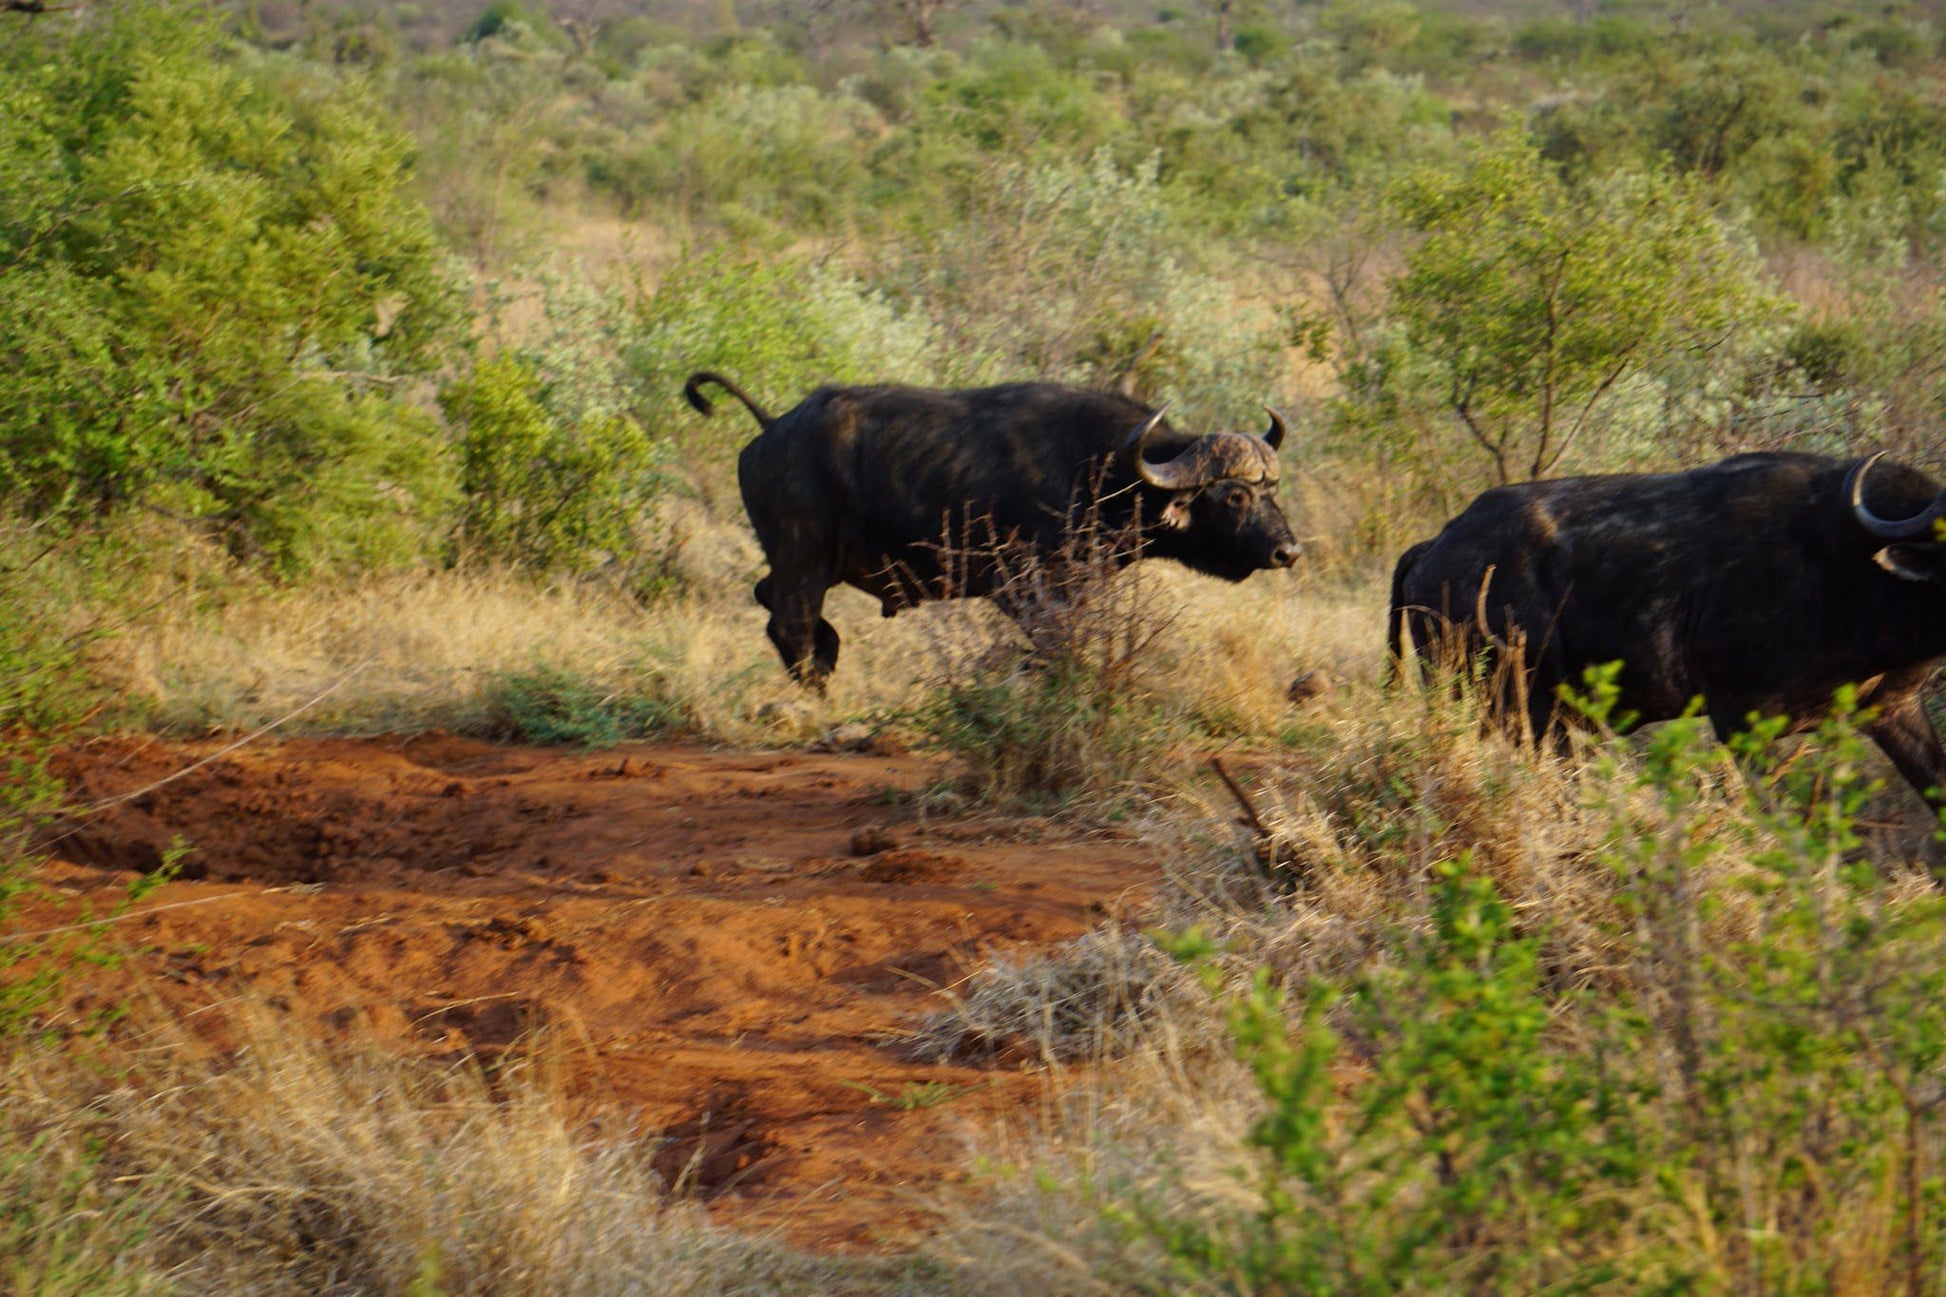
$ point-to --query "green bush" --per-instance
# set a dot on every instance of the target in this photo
(546, 705)
(751, 155)
(1537, 301)
(1121, 295)
(213, 288)
(1896, 45)
(779, 328)
(496, 128)
(1472, 1153)
(540, 491)
(1744, 1097)
(1609, 36)
(1323, 128)
(1010, 97)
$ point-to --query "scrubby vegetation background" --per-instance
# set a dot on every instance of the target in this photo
(342, 347)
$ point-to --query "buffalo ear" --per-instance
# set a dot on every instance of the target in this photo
(1175, 514)
(1910, 562)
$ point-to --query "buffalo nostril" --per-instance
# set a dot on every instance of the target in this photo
(1286, 555)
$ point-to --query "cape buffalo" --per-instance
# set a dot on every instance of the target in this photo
(1761, 583)
(900, 491)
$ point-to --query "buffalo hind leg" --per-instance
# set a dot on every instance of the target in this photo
(806, 642)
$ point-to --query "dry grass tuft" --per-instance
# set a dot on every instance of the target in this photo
(1164, 1122)
(288, 1167)
(1099, 995)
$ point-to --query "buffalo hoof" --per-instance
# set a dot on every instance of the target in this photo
(812, 679)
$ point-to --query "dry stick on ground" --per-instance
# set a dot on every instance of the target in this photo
(95, 808)
(17, 938)
(1264, 854)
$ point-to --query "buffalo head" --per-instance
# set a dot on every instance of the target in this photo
(1913, 551)
(1218, 508)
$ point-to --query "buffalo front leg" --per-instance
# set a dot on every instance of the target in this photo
(807, 643)
(1905, 734)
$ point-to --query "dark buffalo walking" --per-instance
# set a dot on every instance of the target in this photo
(909, 493)
(1762, 583)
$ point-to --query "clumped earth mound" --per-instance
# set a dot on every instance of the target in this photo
(728, 948)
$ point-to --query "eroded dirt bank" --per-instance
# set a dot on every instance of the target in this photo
(719, 963)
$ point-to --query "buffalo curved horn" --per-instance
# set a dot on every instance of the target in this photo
(1172, 476)
(1884, 528)
(1274, 435)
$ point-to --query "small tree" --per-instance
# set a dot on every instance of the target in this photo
(1536, 299)
(548, 491)
(912, 22)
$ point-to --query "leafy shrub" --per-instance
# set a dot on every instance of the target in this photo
(493, 132)
(558, 473)
(1536, 301)
(779, 328)
(1055, 705)
(1743, 1095)
(546, 705)
(1895, 45)
(786, 154)
(1012, 96)
(1470, 1149)
(1323, 129)
(214, 287)
(1104, 290)
(1609, 36)
(540, 491)
(1799, 1065)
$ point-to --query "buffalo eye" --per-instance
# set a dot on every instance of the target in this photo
(1237, 497)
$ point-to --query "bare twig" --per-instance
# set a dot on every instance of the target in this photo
(1243, 798)
(1264, 854)
(17, 938)
(108, 803)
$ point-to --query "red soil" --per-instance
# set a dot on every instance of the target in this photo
(694, 924)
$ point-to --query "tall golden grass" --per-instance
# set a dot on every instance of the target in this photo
(425, 649)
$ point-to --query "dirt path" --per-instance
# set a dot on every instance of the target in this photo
(735, 976)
